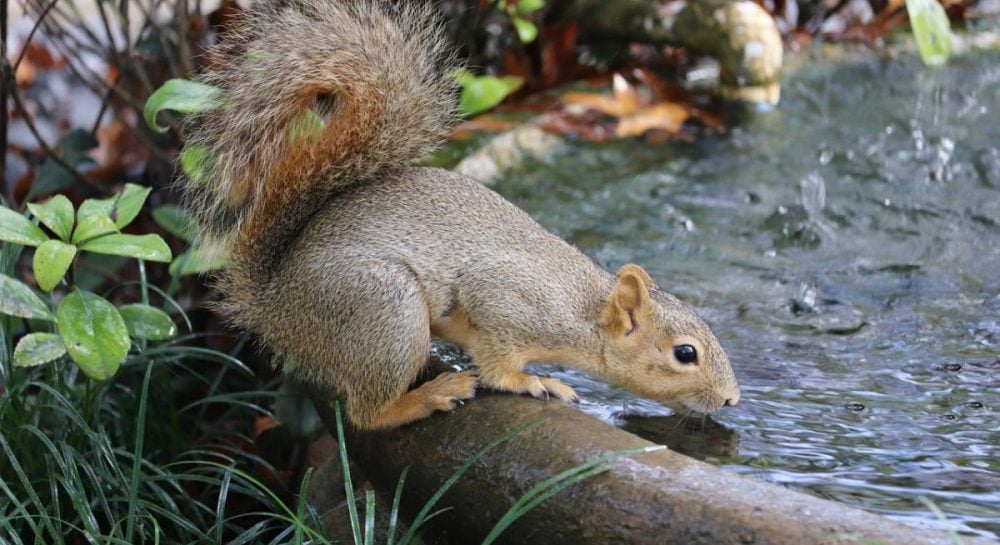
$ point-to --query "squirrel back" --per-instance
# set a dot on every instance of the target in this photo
(319, 96)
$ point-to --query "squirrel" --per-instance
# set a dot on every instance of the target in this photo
(346, 259)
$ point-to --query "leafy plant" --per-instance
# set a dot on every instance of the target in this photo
(110, 463)
(187, 97)
(96, 335)
(196, 259)
(481, 93)
(181, 95)
(519, 10)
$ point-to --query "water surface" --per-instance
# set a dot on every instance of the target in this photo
(846, 249)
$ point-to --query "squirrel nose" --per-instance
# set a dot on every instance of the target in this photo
(733, 400)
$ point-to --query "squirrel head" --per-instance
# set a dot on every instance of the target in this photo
(657, 347)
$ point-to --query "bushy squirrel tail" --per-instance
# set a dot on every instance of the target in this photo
(319, 95)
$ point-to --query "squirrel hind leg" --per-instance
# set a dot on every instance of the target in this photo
(443, 393)
(375, 336)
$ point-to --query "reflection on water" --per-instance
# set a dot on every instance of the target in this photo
(846, 248)
(699, 437)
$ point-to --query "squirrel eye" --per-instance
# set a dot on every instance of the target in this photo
(685, 353)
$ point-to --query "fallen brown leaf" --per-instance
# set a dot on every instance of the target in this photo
(664, 116)
(483, 123)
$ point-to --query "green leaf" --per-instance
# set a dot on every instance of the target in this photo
(17, 299)
(528, 6)
(181, 95)
(480, 93)
(76, 143)
(73, 147)
(18, 229)
(93, 333)
(92, 227)
(931, 29)
(196, 163)
(148, 247)
(57, 214)
(307, 125)
(38, 348)
(146, 322)
(175, 221)
(198, 261)
(122, 208)
(526, 30)
(52, 260)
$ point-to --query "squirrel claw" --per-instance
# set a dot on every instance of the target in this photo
(449, 389)
(560, 390)
(538, 387)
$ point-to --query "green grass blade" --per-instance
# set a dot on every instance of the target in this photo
(422, 516)
(28, 489)
(135, 481)
(369, 517)
(352, 507)
(952, 534)
(301, 507)
(394, 514)
(555, 484)
(220, 505)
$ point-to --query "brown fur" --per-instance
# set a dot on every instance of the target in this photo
(347, 261)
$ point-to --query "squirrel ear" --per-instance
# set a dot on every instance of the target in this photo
(629, 302)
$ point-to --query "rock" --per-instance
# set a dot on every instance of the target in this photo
(506, 151)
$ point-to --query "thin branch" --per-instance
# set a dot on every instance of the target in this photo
(184, 48)
(73, 21)
(105, 100)
(31, 35)
(101, 88)
(161, 35)
(112, 46)
(8, 185)
(11, 85)
(77, 66)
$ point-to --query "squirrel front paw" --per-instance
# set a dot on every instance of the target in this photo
(523, 383)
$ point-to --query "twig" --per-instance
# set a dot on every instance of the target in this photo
(54, 29)
(112, 46)
(77, 66)
(183, 47)
(74, 21)
(104, 88)
(31, 35)
(159, 32)
(101, 87)
(100, 114)
(10, 84)
(9, 187)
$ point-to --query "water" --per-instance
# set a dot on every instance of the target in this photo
(846, 249)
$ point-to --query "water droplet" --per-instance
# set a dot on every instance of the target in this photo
(953, 367)
(813, 195)
(854, 406)
(805, 301)
(974, 405)
(949, 417)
